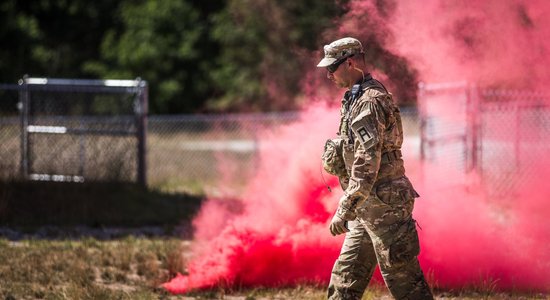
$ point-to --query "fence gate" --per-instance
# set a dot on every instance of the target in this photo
(497, 133)
(449, 128)
(73, 130)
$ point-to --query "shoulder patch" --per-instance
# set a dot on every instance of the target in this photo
(365, 128)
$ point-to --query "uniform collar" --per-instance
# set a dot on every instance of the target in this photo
(367, 77)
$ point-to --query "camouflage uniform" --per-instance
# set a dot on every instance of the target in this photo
(378, 199)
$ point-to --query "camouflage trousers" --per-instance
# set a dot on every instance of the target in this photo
(384, 233)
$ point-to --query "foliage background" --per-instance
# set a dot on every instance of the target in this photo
(198, 56)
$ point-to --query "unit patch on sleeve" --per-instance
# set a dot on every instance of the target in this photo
(365, 130)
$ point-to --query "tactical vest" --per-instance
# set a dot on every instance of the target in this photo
(392, 137)
(357, 90)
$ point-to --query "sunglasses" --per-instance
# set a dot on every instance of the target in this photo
(332, 68)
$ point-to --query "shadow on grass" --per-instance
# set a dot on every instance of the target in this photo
(117, 209)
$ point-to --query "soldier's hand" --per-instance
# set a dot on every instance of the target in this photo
(338, 225)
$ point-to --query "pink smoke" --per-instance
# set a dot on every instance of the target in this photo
(276, 234)
(468, 239)
(492, 43)
(280, 234)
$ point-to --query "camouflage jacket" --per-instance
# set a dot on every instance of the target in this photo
(371, 128)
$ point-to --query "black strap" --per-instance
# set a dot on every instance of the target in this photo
(356, 92)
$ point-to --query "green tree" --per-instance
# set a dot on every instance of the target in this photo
(165, 42)
(263, 48)
(373, 16)
(51, 38)
(209, 55)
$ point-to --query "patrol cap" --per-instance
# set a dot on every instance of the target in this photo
(338, 49)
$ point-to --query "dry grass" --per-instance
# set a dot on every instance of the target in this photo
(133, 268)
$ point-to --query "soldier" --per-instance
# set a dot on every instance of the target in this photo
(375, 211)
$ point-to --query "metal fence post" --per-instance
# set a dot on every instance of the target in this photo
(422, 116)
(142, 111)
(24, 102)
(473, 128)
(517, 134)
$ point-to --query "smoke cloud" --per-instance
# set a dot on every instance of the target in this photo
(493, 43)
(277, 233)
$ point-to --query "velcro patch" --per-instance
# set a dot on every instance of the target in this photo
(365, 129)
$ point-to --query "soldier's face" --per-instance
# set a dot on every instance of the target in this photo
(338, 76)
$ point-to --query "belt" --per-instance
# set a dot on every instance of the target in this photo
(388, 157)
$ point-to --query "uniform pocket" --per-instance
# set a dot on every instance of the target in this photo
(406, 245)
(396, 192)
(391, 194)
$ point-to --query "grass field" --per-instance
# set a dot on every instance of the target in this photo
(50, 259)
(130, 268)
(134, 268)
(58, 254)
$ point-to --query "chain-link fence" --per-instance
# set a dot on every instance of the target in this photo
(10, 132)
(73, 130)
(195, 152)
(497, 133)
(514, 135)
